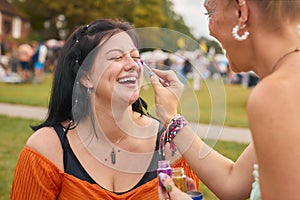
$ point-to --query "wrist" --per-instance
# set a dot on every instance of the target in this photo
(169, 119)
(172, 128)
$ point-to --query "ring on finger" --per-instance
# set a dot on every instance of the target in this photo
(169, 188)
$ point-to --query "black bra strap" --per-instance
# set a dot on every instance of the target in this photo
(64, 142)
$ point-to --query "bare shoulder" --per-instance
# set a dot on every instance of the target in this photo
(272, 95)
(46, 142)
(273, 111)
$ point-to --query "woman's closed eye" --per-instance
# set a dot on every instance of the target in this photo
(116, 58)
(136, 58)
(120, 57)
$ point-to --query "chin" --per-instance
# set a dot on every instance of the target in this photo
(133, 98)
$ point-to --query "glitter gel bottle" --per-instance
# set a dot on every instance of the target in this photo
(179, 178)
(164, 167)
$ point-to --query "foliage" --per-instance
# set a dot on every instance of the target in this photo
(142, 13)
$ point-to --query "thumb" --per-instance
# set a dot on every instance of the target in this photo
(171, 189)
(155, 82)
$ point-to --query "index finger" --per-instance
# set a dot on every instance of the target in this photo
(168, 76)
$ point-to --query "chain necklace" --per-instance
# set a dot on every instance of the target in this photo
(282, 57)
(113, 152)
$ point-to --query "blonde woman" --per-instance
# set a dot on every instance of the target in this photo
(260, 36)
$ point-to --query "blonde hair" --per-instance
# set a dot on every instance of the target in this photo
(280, 10)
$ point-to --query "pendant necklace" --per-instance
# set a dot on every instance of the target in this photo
(284, 56)
(113, 152)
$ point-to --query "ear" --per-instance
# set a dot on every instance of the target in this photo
(244, 13)
(86, 82)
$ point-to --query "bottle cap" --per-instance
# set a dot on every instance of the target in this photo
(178, 171)
(163, 163)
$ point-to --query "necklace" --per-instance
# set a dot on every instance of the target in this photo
(282, 57)
(113, 152)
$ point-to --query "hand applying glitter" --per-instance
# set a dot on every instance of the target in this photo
(166, 95)
(142, 63)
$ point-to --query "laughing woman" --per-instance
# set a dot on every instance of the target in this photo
(98, 142)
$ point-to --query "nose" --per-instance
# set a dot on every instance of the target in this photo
(131, 63)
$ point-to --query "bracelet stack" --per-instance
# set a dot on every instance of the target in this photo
(175, 125)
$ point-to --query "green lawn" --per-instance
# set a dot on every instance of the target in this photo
(195, 106)
(26, 93)
(214, 103)
(13, 135)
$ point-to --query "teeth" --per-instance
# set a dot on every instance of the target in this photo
(127, 79)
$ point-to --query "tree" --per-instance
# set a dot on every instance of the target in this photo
(142, 13)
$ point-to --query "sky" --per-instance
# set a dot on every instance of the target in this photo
(192, 12)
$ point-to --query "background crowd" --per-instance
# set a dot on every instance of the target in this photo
(27, 62)
(198, 66)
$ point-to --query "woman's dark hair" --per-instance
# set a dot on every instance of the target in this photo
(77, 47)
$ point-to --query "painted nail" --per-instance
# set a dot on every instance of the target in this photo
(161, 176)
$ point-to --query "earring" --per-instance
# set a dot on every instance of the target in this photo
(236, 36)
(89, 91)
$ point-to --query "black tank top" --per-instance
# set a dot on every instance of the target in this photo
(72, 165)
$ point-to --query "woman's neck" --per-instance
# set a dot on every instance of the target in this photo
(269, 50)
(114, 122)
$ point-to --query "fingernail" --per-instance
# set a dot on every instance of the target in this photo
(161, 176)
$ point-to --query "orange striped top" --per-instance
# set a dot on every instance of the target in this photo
(38, 178)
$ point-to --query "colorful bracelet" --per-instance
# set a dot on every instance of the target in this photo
(175, 125)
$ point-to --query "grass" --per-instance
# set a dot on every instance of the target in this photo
(231, 150)
(196, 106)
(214, 103)
(13, 135)
(26, 93)
(228, 101)
(15, 131)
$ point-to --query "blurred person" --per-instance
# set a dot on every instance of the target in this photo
(248, 27)
(98, 140)
(13, 62)
(25, 52)
(178, 64)
(199, 70)
(39, 60)
(167, 63)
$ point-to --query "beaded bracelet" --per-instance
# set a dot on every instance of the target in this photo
(175, 125)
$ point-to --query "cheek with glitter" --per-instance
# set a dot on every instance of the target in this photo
(139, 68)
(206, 2)
(211, 5)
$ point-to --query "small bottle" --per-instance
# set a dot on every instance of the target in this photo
(164, 167)
(179, 178)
